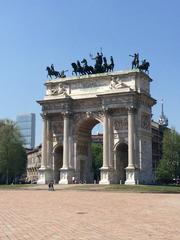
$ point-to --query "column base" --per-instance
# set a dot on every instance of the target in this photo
(45, 175)
(131, 176)
(66, 175)
(106, 175)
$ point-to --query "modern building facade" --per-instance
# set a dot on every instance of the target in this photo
(26, 125)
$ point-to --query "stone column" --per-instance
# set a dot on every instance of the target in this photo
(110, 126)
(44, 143)
(105, 141)
(49, 144)
(75, 153)
(44, 174)
(106, 172)
(65, 172)
(131, 175)
(66, 141)
(131, 132)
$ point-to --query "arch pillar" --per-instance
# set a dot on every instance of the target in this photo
(45, 171)
(106, 170)
(66, 172)
(131, 171)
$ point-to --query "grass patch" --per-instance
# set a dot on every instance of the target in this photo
(128, 188)
(144, 188)
(97, 187)
(14, 186)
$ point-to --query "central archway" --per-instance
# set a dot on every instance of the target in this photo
(85, 145)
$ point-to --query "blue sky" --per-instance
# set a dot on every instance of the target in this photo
(37, 33)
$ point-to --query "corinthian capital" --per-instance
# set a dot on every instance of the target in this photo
(132, 109)
(66, 113)
(105, 110)
(44, 116)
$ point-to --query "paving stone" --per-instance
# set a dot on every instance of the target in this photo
(88, 215)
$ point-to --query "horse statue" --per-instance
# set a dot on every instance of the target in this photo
(108, 67)
(74, 66)
(86, 68)
(144, 66)
(77, 68)
(101, 65)
(52, 72)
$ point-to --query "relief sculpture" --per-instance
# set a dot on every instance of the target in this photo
(121, 124)
(145, 121)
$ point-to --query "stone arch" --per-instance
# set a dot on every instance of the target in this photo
(91, 117)
(57, 161)
(88, 100)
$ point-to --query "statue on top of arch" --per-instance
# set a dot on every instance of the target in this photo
(101, 65)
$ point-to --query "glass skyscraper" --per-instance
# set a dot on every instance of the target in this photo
(26, 125)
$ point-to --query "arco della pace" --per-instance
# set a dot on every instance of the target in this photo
(72, 106)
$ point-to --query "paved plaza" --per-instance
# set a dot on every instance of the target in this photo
(88, 215)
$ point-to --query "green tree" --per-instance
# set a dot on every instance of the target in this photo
(97, 157)
(12, 154)
(169, 166)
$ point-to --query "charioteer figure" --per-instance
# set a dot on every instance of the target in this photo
(135, 62)
(111, 64)
(52, 68)
(99, 61)
(52, 72)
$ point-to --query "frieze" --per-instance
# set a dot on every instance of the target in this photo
(117, 100)
(118, 111)
(90, 84)
(55, 106)
(86, 104)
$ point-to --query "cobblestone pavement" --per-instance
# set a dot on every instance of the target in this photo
(88, 215)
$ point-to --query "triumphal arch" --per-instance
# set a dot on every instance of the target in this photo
(72, 106)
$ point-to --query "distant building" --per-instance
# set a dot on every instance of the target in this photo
(163, 120)
(97, 138)
(157, 140)
(157, 137)
(33, 163)
(26, 125)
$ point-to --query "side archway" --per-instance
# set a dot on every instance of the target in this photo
(57, 162)
(121, 161)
